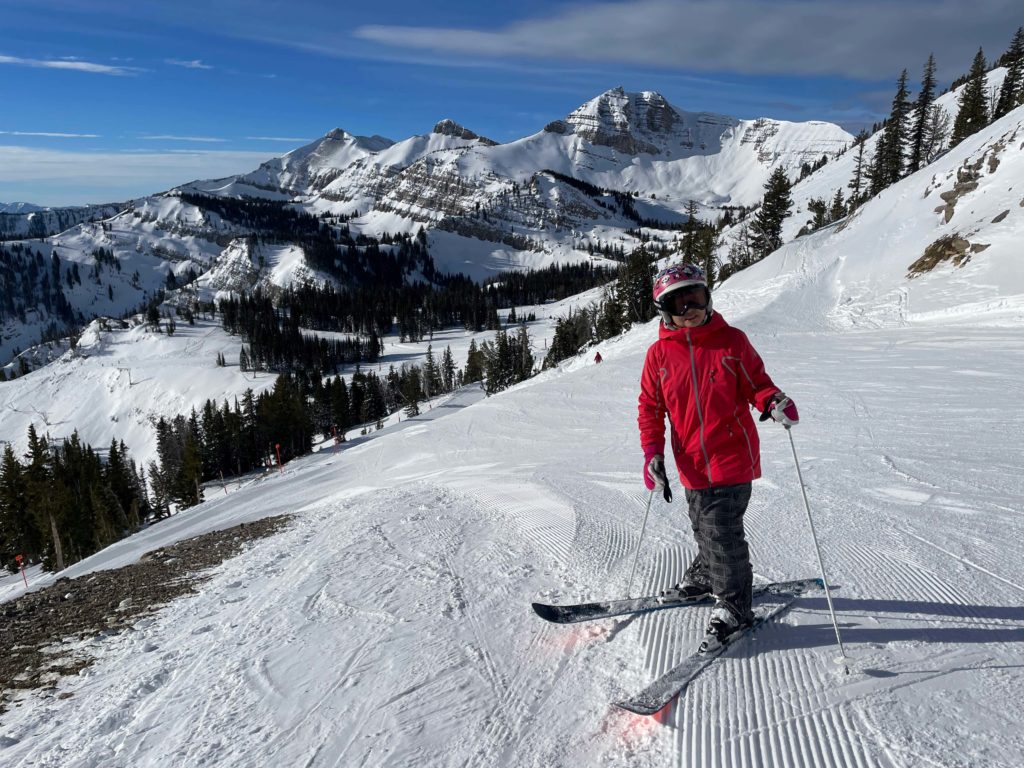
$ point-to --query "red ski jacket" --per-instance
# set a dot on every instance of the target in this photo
(705, 379)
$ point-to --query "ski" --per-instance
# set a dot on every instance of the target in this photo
(570, 614)
(674, 682)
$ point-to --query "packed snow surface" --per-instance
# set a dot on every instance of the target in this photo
(390, 625)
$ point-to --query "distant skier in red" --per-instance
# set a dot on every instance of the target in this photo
(597, 358)
(705, 375)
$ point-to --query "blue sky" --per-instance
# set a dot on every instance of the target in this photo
(103, 100)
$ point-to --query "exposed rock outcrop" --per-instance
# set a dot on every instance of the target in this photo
(451, 128)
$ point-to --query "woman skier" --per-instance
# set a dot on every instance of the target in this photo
(705, 375)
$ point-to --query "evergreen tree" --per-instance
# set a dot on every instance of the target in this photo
(766, 229)
(690, 228)
(706, 244)
(161, 494)
(19, 534)
(431, 374)
(922, 113)
(838, 207)
(878, 177)
(895, 133)
(611, 320)
(166, 481)
(741, 252)
(412, 391)
(340, 405)
(118, 477)
(636, 286)
(1011, 93)
(493, 321)
(43, 499)
(474, 370)
(936, 133)
(572, 334)
(448, 370)
(819, 212)
(499, 361)
(252, 436)
(64, 504)
(860, 172)
(522, 367)
(972, 115)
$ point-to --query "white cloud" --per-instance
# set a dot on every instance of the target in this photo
(193, 64)
(278, 138)
(51, 135)
(70, 64)
(873, 39)
(55, 177)
(206, 139)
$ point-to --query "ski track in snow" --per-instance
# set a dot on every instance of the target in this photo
(390, 625)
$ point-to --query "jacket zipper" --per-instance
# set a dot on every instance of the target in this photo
(750, 450)
(696, 400)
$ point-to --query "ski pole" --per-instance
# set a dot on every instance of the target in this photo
(638, 544)
(821, 563)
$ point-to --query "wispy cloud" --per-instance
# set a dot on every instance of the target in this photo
(51, 134)
(278, 138)
(58, 177)
(69, 64)
(192, 64)
(164, 137)
(871, 40)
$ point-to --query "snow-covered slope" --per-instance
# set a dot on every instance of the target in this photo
(119, 380)
(837, 174)
(152, 238)
(306, 168)
(390, 625)
(25, 220)
(941, 246)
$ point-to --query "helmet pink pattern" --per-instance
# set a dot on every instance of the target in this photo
(675, 277)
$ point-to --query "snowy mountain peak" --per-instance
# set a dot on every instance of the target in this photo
(640, 123)
(19, 208)
(369, 143)
(311, 166)
(449, 127)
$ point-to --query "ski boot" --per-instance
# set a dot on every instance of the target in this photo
(684, 592)
(721, 628)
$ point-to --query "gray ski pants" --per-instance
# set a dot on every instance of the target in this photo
(723, 557)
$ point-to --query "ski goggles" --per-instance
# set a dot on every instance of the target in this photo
(681, 302)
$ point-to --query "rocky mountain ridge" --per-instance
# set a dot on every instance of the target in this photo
(578, 188)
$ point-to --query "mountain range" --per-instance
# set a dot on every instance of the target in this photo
(556, 196)
(389, 622)
(19, 208)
